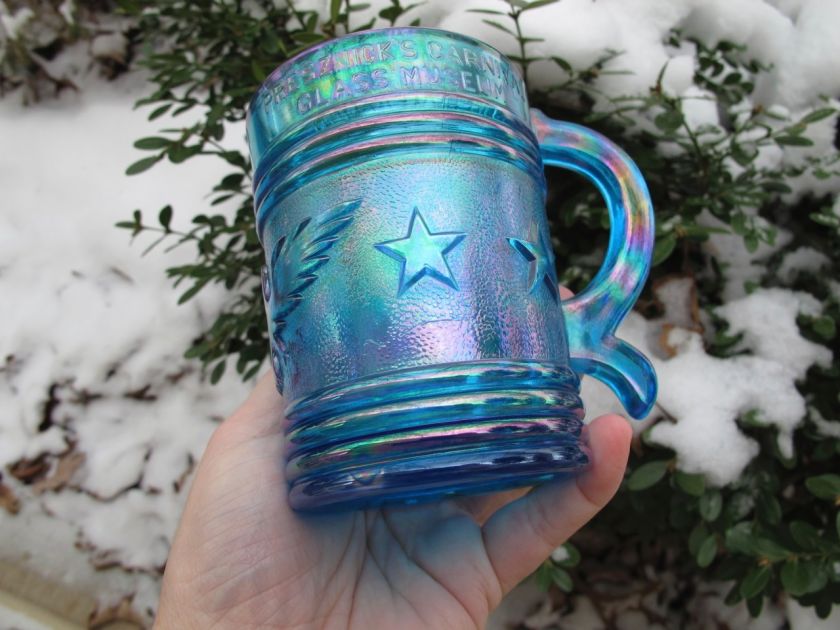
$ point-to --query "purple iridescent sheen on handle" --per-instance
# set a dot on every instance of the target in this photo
(593, 316)
(416, 328)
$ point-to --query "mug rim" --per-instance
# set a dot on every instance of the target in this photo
(276, 73)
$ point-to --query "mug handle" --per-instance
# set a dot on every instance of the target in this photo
(593, 315)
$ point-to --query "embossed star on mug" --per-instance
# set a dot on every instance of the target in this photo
(421, 253)
(539, 253)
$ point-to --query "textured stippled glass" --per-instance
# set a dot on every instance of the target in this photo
(417, 332)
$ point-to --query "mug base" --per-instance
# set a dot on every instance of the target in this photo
(421, 434)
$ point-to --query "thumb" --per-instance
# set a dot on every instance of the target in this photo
(522, 534)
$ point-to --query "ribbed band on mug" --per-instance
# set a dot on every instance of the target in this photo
(379, 64)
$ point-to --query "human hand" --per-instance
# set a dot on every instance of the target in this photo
(243, 559)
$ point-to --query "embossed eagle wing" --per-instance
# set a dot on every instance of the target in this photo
(293, 268)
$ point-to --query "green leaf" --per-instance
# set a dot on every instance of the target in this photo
(499, 26)
(710, 505)
(707, 552)
(572, 556)
(486, 11)
(537, 4)
(545, 575)
(777, 187)
(733, 596)
(817, 115)
(800, 577)
(795, 578)
(160, 111)
(739, 539)
(231, 182)
(663, 248)
(669, 121)
(837, 524)
(770, 549)
(793, 141)
(269, 41)
(699, 533)
(805, 535)
(647, 475)
(754, 606)
(178, 153)
(218, 371)
(824, 486)
(233, 157)
(565, 65)
(305, 37)
(165, 217)
(825, 327)
(335, 10)
(741, 155)
(562, 579)
(738, 223)
(142, 165)
(755, 581)
(768, 508)
(693, 484)
(152, 143)
(189, 293)
(257, 71)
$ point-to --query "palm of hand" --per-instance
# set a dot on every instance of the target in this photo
(243, 559)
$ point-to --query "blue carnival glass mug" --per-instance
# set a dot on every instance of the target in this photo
(416, 328)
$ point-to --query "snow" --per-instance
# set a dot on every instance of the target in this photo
(767, 318)
(742, 267)
(827, 427)
(17, 620)
(13, 23)
(805, 259)
(109, 46)
(678, 296)
(707, 395)
(801, 618)
(67, 9)
(92, 319)
(560, 554)
(700, 108)
(807, 60)
(754, 23)
(702, 396)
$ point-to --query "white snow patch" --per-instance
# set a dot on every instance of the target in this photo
(767, 318)
(109, 46)
(801, 259)
(67, 9)
(700, 108)
(13, 23)
(790, 8)
(805, 56)
(827, 427)
(706, 394)
(754, 23)
(561, 554)
(742, 266)
(804, 618)
(88, 316)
